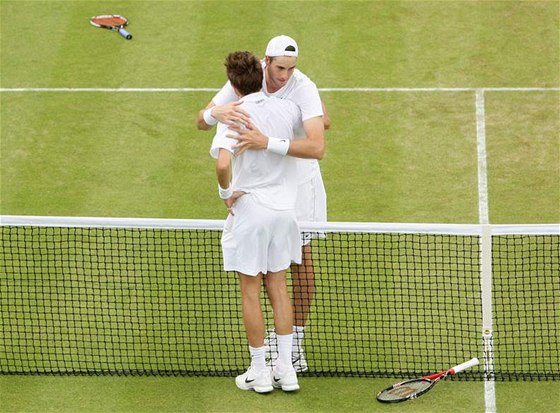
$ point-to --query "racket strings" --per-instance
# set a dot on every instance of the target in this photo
(405, 390)
(109, 21)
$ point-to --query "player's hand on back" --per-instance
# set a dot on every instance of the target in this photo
(248, 137)
(230, 113)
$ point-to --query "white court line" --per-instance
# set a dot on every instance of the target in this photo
(109, 90)
(440, 89)
(327, 89)
(489, 383)
(490, 396)
(481, 151)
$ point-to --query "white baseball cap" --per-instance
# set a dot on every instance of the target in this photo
(281, 46)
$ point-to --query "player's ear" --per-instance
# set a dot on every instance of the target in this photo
(267, 60)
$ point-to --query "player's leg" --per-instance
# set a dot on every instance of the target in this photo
(311, 206)
(279, 297)
(257, 377)
(253, 318)
(283, 375)
(303, 286)
(303, 289)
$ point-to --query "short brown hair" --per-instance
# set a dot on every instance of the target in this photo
(244, 71)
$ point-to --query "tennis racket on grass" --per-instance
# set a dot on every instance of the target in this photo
(112, 22)
(411, 389)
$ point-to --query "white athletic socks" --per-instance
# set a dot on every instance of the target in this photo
(284, 351)
(257, 357)
(298, 338)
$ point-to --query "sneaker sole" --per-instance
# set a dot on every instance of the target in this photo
(266, 389)
(288, 387)
(259, 389)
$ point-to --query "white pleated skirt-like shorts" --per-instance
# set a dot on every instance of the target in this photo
(258, 239)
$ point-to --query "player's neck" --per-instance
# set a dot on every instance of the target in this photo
(270, 87)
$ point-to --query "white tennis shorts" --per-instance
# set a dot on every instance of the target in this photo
(259, 240)
(311, 205)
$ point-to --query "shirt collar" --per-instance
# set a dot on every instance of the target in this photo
(254, 97)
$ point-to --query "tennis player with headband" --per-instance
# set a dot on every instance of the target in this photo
(283, 80)
(261, 237)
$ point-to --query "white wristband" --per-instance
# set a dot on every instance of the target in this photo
(225, 193)
(208, 118)
(279, 146)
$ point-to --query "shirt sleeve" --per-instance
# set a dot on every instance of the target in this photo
(225, 95)
(221, 141)
(306, 96)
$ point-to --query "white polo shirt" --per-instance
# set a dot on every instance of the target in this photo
(304, 93)
(271, 179)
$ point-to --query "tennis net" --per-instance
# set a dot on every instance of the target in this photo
(149, 297)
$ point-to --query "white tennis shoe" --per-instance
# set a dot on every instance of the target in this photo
(286, 381)
(259, 381)
(298, 361)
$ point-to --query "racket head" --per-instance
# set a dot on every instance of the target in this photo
(406, 390)
(109, 21)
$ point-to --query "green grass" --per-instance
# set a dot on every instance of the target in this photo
(128, 155)
(165, 394)
(523, 157)
(390, 156)
(401, 157)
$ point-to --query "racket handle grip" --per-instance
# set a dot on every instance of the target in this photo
(465, 365)
(125, 34)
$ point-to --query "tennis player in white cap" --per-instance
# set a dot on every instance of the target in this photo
(283, 80)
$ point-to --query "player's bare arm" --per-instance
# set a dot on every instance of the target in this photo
(312, 147)
(223, 168)
(228, 114)
(223, 173)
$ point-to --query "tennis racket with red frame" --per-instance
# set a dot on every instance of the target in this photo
(112, 22)
(411, 389)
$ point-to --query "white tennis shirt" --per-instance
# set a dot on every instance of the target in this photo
(304, 93)
(271, 179)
